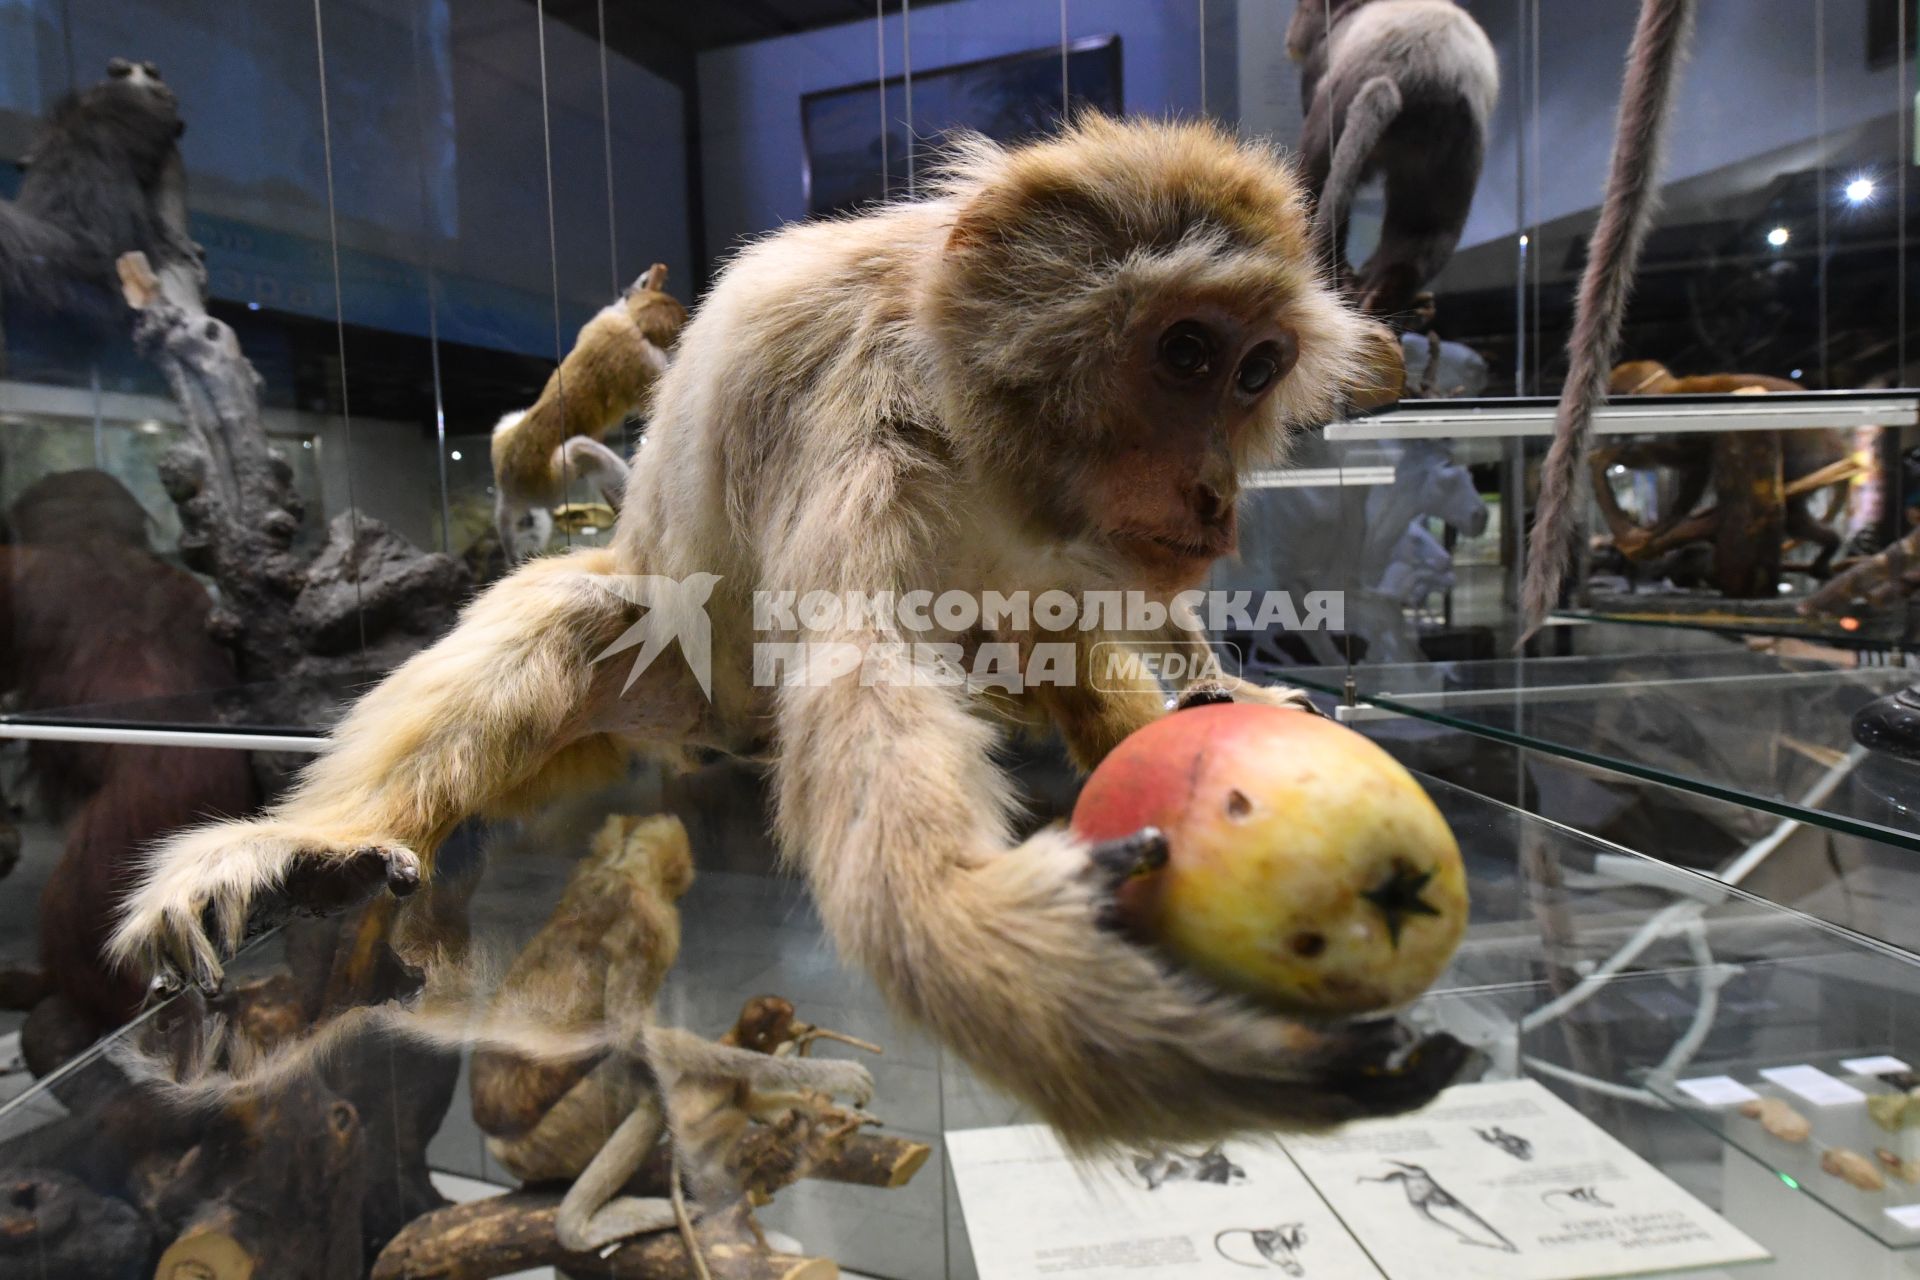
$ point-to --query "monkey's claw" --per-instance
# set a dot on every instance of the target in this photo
(1112, 863)
(1120, 860)
(1409, 1075)
(1206, 693)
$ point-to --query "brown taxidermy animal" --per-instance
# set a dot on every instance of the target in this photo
(1802, 452)
(1402, 89)
(1048, 375)
(89, 614)
(1600, 306)
(1651, 378)
(594, 1118)
(607, 377)
(597, 962)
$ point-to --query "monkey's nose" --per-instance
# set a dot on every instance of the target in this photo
(1211, 505)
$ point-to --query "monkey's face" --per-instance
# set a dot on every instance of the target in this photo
(1123, 320)
(1193, 377)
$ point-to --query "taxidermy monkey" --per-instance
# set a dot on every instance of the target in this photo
(609, 375)
(1613, 253)
(89, 614)
(1049, 375)
(1404, 89)
(104, 178)
(599, 962)
(1691, 455)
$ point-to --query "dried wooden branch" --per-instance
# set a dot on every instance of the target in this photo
(515, 1232)
(1876, 581)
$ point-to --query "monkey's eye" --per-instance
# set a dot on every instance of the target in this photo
(1266, 364)
(119, 68)
(1187, 350)
(150, 69)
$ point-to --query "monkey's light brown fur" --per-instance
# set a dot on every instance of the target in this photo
(976, 391)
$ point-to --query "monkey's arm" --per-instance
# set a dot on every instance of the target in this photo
(483, 713)
(888, 795)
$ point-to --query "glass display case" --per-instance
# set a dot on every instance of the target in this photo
(267, 445)
(1630, 989)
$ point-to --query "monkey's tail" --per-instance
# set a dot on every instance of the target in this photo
(1374, 109)
(1612, 257)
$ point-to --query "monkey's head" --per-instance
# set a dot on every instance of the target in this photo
(1638, 378)
(656, 313)
(652, 849)
(1123, 320)
(1312, 19)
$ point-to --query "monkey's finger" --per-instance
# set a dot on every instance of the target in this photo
(324, 883)
(182, 950)
(1202, 694)
(1114, 862)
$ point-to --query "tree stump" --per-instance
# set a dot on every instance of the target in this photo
(284, 616)
(1751, 500)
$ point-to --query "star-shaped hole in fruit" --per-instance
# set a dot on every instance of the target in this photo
(1398, 896)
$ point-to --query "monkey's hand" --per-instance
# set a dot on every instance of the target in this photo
(1113, 1043)
(205, 890)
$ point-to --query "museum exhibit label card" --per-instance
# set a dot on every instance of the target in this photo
(1504, 1181)
(1032, 1212)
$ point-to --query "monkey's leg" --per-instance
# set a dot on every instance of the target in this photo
(683, 1054)
(454, 727)
(592, 1213)
(1801, 523)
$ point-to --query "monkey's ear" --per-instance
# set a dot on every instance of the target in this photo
(1012, 210)
(1381, 376)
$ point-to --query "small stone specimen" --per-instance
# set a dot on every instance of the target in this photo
(1894, 1111)
(1852, 1167)
(1908, 1171)
(1778, 1119)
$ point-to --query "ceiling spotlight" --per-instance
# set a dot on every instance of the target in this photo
(456, 455)
(1860, 190)
(1778, 237)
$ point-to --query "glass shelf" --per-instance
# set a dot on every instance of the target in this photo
(298, 707)
(1601, 973)
(1749, 727)
(1516, 416)
(1839, 1126)
(1887, 628)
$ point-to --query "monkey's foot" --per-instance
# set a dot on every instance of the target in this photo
(835, 1077)
(206, 890)
(619, 1219)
